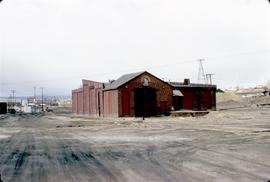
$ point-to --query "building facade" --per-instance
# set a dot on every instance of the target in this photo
(137, 94)
(140, 95)
(196, 97)
(3, 108)
(88, 98)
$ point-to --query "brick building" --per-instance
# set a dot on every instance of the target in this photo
(137, 94)
(140, 94)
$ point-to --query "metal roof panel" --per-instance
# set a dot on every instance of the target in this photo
(122, 80)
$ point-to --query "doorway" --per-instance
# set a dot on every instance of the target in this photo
(125, 103)
(145, 102)
(197, 100)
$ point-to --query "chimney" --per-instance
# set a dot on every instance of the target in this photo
(186, 81)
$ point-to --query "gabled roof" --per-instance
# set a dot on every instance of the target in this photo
(122, 80)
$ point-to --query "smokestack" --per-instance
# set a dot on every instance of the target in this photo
(186, 81)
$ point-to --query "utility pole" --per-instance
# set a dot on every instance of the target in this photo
(209, 78)
(35, 97)
(42, 99)
(21, 105)
(201, 74)
(10, 101)
(13, 98)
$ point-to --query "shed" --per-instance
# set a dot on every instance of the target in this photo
(3, 108)
(137, 94)
(195, 96)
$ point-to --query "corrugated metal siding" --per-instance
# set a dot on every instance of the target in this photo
(111, 103)
(207, 100)
(198, 98)
(187, 100)
(93, 100)
(125, 103)
(85, 99)
(74, 102)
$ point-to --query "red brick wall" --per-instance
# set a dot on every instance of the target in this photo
(164, 94)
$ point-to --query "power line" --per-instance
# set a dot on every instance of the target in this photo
(266, 51)
(201, 74)
(42, 99)
(209, 78)
(35, 97)
(142, 68)
(100, 74)
(13, 98)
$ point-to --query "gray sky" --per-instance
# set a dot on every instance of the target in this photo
(54, 44)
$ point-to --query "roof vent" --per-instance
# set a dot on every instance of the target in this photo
(111, 81)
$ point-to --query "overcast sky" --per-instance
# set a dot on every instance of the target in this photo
(56, 43)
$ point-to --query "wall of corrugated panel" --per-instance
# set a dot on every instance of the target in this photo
(111, 103)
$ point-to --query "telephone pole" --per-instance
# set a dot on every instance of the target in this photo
(209, 78)
(13, 98)
(201, 74)
(35, 97)
(42, 99)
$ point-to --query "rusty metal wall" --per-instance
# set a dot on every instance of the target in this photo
(86, 100)
(74, 102)
(202, 98)
(92, 100)
(111, 103)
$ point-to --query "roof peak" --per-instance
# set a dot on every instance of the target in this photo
(123, 79)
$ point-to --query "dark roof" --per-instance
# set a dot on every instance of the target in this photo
(196, 85)
(122, 80)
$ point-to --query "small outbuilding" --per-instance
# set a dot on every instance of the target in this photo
(3, 108)
(137, 94)
(196, 97)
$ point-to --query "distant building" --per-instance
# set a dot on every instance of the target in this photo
(253, 92)
(3, 108)
(140, 94)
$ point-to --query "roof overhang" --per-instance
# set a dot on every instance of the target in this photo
(177, 93)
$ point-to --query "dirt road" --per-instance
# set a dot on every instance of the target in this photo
(223, 146)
